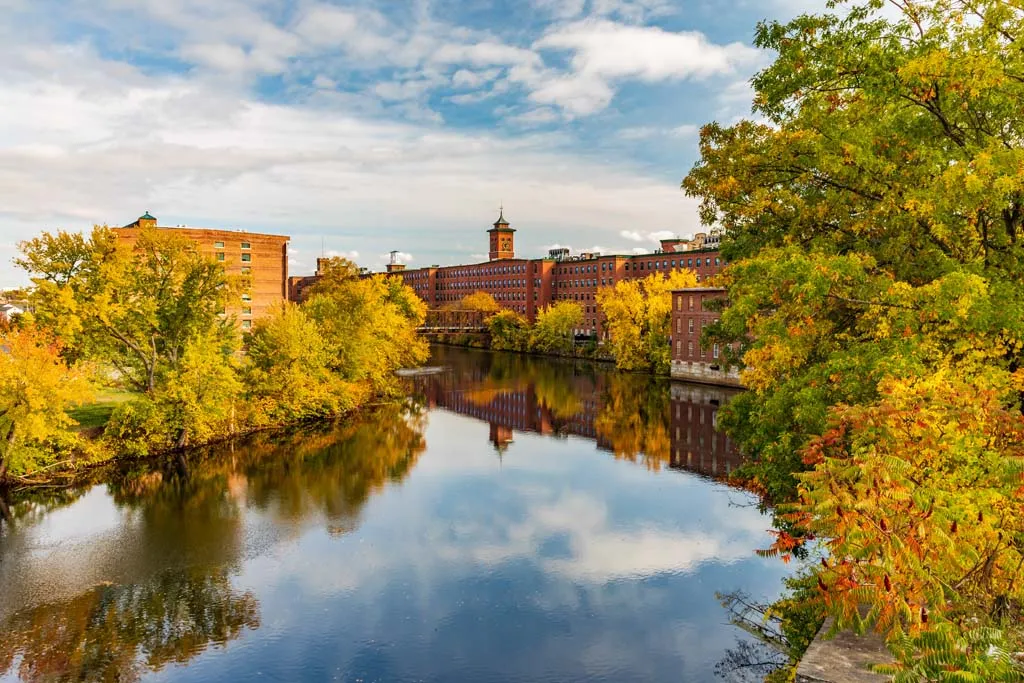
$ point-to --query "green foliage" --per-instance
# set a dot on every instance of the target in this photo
(369, 326)
(553, 331)
(509, 331)
(288, 370)
(877, 294)
(152, 316)
(199, 396)
(133, 309)
(138, 428)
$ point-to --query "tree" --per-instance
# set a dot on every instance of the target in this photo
(332, 273)
(873, 228)
(135, 310)
(555, 327)
(479, 301)
(639, 317)
(370, 327)
(509, 331)
(199, 395)
(288, 369)
(37, 386)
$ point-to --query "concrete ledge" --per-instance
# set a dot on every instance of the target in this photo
(847, 658)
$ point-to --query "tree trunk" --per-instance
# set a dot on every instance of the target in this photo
(5, 457)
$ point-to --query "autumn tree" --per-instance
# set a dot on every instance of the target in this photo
(480, 301)
(134, 309)
(37, 386)
(873, 226)
(369, 326)
(288, 369)
(555, 327)
(509, 331)
(638, 317)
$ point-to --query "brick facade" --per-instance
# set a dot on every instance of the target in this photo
(691, 359)
(528, 285)
(264, 258)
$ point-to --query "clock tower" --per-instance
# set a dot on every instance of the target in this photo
(502, 239)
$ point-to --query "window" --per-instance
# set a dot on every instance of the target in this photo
(689, 349)
(247, 297)
(246, 245)
(218, 245)
(246, 324)
(679, 325)
(689, 325)
(246, 310)
(691, 302)
(689, 262)
(246, 257)
(220, 255)
(714, 351)
(679, 350)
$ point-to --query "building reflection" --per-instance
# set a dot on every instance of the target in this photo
(647, 420)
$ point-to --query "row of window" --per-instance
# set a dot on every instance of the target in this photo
(220, 245)
(689, 350)
(246, 258)
(489, 270)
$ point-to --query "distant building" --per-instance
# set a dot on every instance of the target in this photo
(8, 311)
(528, 285)
(692, 359)
(264, 258)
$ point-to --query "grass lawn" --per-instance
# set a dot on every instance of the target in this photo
(96, 414)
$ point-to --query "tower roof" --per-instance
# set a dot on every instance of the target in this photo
(501, 223)
(147, 217)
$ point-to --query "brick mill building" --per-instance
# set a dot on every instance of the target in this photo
(693, 309)
(528, 285)
(264, 258)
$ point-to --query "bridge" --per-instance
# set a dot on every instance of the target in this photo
(444, 320)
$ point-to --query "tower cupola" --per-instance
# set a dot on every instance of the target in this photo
(502, 239)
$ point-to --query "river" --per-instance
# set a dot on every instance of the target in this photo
(516, 519)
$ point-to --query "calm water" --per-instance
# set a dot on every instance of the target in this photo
(518, 520)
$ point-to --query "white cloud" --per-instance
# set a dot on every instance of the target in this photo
(648, 132)
(350, 255)
(606, 49)
(535, 117)
(487, 53)
(631, 235)
(466, 78)
(327, 25)
(324, 82)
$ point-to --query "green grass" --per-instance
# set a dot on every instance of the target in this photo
(97, 413)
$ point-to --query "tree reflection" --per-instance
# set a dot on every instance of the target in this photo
(634, 419)
(182, 534)
(117, 633)
(327, 469)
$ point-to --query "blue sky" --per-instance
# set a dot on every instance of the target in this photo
(359, 127)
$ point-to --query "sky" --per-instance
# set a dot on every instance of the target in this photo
(359, 127)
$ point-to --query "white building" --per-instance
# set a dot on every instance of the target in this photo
(8, 311)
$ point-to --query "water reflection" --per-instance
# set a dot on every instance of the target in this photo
(116, 633)
(396, 547)
(639, 418)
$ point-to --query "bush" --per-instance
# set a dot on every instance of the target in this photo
(138, 428)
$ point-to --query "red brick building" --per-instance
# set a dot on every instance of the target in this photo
(528, 285)
(692, 359)
(264, 258)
